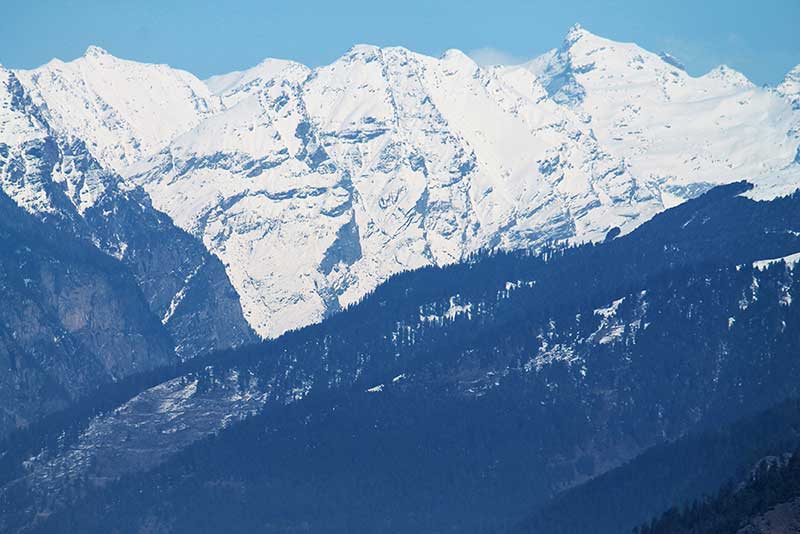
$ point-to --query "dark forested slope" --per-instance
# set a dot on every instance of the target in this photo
(454, 399)
(675, 472)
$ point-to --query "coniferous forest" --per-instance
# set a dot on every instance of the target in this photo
(563, 350)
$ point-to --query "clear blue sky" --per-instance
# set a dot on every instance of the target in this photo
(759, 38)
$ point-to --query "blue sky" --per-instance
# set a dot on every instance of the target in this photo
(759, 38)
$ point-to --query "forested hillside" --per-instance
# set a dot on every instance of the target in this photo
(767, 502)
(470, 394)
(677, 472)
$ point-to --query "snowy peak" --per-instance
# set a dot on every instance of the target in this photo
(235, 86)
(584, 48)
(124, 110)
(579, 33)
(453, 55)
(587, 62)
(93, 51)
(793, 76)
(591, 57)
(362, 51)
(729, 77)
(790, 87)
(585, 57)
(671, 128)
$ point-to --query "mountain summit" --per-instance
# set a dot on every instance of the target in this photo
(790, 87)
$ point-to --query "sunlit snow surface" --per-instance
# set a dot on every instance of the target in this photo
(790, 260)
(314, 185)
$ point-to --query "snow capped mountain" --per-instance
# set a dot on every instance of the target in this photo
(790, 87)
(234, 86)
(123, 110)
(675, 130)
(314, 185)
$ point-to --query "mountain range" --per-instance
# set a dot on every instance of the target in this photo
(291, 284)
(312, 186)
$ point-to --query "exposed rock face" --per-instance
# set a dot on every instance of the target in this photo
(185, 286)
(73, 317)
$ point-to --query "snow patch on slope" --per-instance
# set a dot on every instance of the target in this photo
(791, 260)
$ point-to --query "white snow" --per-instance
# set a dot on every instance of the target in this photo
(315, 185)
(175, 403)
(791, 260)
(673, 129)
(611, 327)
(178, 297)
(454, 310)
(789, 88)
(124, 110)
(611, 310)
(510, 286)
(547, 355)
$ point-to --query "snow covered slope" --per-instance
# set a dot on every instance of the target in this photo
(123, 110)
(790, 87)
(314, 185)
(679, 131)
(38, 174)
